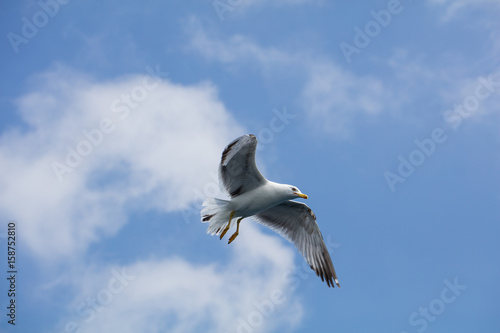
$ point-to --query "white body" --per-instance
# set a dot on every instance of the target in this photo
(246, 204)
(263, 197)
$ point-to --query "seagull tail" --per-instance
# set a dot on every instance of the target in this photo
(216, 212)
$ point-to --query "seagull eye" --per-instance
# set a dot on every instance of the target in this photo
(294, 189)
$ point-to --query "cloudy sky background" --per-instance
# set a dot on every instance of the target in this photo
(114, 116)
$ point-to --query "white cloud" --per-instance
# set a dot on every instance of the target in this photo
(249, 293)
(165, 143)
(165, 140)
(331, 97)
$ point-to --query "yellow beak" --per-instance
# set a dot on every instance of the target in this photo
(303, 196)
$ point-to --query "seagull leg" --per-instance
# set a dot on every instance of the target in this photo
(233, 237)
(228, 225)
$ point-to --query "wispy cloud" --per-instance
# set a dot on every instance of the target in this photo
(236, 49)
(335, 98)
(225, 7)
(453, 8)
(331, 97)
(248, 4)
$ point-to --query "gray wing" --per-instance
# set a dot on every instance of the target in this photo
(237, 171)
(296, 222)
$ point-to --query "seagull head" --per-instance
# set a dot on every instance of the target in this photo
(295, 192)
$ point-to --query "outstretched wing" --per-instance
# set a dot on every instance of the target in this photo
(296, 222)
(237, 171)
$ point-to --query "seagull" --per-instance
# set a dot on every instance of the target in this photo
(269, 203)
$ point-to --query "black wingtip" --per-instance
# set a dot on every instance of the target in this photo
(207, 217)
(227, 150)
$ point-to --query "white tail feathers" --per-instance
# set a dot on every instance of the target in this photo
(216, 212)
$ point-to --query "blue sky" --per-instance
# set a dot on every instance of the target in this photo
(114, 117)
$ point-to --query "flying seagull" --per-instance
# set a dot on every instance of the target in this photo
(269, 203)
